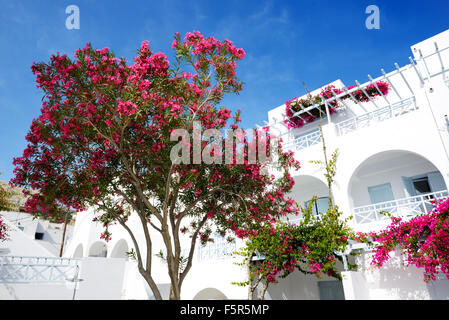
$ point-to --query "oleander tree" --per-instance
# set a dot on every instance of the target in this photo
(312, 246)
(105, 139)
(422, 240)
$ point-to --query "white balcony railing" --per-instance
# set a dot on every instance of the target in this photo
(379, 115)
(304, 141)
(365, 120)
(404, 208)
(220, 249)
(21, 269)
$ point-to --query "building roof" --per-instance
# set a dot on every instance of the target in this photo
(22, 235)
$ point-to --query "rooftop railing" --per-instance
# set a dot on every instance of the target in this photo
(404, 208)
(365, 120)
(403, 81)
(22, 269)
(304, 141)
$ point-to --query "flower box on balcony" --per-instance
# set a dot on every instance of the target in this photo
(296, 105)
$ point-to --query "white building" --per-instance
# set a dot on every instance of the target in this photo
(393, 156)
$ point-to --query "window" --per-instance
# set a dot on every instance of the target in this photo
(331, 290)
(320, 206)
(421, 185)
(380, 193)
(39, 235)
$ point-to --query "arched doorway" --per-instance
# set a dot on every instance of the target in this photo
(306, 187)
(210, 294)
(120, 249)
(78, 251)
(399, 182)
(98, 249)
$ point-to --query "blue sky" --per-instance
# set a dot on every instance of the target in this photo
(286, 42)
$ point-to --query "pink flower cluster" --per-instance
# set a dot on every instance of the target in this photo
(126, 108)
(209, 45)
(294, 105)
(424, 240)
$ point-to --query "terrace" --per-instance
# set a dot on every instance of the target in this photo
(352, 115)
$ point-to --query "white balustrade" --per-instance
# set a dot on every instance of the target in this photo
(404, 208)
(304, 141)
(355, 123)
(20, 269)
(379, 115)
(219, 249)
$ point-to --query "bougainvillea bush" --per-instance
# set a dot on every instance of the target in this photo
(295, 105)
(423, 240)
(310, 247)
(103, 140)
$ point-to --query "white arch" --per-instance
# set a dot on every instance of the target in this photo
(98, 249)
(375, 166)
(78, 253)
(359, 161)
(120, 249)
(210, 294)
(306, 187)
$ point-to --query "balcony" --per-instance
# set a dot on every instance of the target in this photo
(404, 82)
(391, 111)
(403, 208)
(21, 269)
(304, 141)
(219, 249)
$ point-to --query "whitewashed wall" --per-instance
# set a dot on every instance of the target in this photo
(394, 281)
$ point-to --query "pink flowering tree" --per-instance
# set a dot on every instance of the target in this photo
(104, 140)
(423, 240)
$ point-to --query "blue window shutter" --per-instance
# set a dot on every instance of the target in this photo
(408, 187)
(380, 193)
(436, 181)
(323, 204)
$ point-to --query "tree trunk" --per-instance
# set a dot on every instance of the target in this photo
(174, 295)
(151, 284)
(63, 234)
(264, 289)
